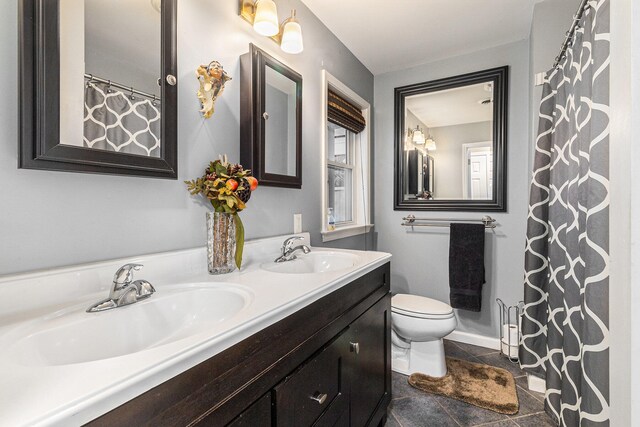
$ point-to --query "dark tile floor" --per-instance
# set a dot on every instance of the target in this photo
(414, 408)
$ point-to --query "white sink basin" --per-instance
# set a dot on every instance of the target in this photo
(314, 262)
(172, 313)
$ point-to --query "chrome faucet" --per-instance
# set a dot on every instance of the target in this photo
(124, 290)
(288, 251)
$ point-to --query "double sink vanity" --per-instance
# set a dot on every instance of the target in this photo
(296, 343)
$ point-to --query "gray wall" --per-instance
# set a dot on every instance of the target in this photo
(55, 218)
(420, 258)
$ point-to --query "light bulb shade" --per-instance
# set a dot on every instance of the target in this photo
(292, 38)
(430, 144)
(266, 21)
(418, 137)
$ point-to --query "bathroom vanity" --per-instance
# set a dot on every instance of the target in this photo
(305, 343)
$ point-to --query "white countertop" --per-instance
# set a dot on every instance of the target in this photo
(74, 394)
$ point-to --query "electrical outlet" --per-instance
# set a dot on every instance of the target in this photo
(297, 223)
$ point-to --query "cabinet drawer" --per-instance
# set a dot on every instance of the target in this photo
(303, 396)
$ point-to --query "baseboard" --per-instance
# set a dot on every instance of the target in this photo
(480, 340)
(536, 384)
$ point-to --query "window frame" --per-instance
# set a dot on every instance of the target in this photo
(361, 165)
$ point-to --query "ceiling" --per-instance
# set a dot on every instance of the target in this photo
(394, 35)
(452, 106)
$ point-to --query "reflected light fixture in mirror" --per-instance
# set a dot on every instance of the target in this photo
(265, 21)
(418, 137)
(291, 35)
(430, 144)
(415, 136)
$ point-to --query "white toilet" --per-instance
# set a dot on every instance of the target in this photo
(418, 325)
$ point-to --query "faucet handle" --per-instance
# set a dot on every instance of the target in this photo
(124, 274)
(289, 243)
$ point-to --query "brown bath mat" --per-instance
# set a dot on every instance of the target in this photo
(475, 383)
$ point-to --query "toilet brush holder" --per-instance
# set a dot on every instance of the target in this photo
(510, 335)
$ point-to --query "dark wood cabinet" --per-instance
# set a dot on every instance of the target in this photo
(327, 364)
(257, 415)
(369, 365)
(347, 382)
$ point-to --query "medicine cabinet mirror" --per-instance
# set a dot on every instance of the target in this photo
(270, 120)
(450, 143)
(98, 86)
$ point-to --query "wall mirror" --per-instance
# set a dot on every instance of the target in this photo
(270, 120)
(98, 86)
(450, 143)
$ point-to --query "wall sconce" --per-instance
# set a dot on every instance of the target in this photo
(265, 19)
(291, 40)
(415, 136)
(417, 140)
(430, 144)
(263, 15)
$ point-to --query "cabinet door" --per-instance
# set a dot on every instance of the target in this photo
(314, 390)
(369, 362)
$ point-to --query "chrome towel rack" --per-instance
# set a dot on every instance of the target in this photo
(412, 221)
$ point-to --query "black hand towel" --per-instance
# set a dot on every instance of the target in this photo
(466, 266)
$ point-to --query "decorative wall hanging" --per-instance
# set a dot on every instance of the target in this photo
(212, 79)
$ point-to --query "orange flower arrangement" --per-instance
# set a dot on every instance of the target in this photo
(228, 187)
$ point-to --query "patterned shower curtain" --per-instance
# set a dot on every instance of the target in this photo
(565, 325)
(115, 122)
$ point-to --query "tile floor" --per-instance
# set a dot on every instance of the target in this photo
(413, 408)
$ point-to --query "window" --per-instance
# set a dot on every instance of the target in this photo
(340, 173)
(346, 164)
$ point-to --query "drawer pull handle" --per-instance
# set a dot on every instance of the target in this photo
(354, 347)
(319, 397)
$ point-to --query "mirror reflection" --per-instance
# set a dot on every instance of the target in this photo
(280, 123)
(448, 144)
(109, 84)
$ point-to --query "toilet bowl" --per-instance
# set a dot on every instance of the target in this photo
(418, 325)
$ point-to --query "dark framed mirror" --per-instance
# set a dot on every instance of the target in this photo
(451, 143)
(270, 120)
(91, 100)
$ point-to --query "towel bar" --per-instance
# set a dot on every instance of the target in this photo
(412, 221)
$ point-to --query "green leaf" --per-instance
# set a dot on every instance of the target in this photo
(239, 239)
(220, 169)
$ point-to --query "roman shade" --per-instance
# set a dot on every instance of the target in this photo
(344, 113)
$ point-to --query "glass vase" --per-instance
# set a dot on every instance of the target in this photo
(221, 242)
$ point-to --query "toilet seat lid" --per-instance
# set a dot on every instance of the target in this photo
(420, 305)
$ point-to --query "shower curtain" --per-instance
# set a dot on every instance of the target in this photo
(115, 122)
(566, 312)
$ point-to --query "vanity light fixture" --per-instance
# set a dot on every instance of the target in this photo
(263, 15)
(265, 20)
(291, 41)
(417, 136)
(430, 144)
